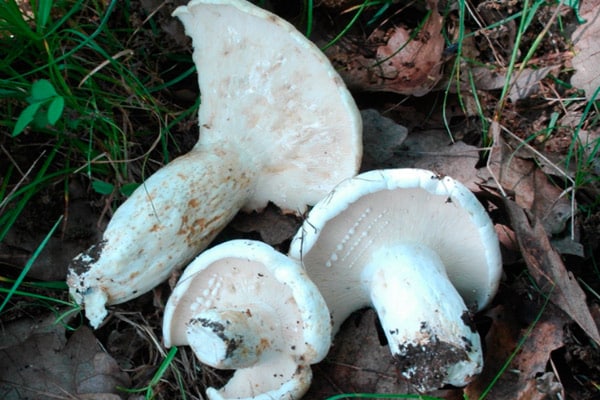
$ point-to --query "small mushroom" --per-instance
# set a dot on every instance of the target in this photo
(242, 305)
(418, 248)
(276, 124)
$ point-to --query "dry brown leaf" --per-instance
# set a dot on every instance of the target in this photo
(404, 65)
(416, 68)
(587, 49)
(500, 341)
(526, 377)
(548, 270)
(517, 170)
(44, 364)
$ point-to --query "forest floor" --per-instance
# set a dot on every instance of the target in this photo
(509, 112)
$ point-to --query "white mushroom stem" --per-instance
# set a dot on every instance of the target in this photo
(229, 339)
(422, 315)
(178, 210)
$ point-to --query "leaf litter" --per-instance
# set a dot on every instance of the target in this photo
(541, 333)
(38, 361)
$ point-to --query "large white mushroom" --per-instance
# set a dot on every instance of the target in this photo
(276, 124)
(242, 305)
(418, 248)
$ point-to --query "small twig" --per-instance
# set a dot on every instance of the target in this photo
(126, 52)
(24, 176)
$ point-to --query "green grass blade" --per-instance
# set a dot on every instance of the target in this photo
(411, 37)
(43, 15)
(70, 11)
(12, 21)
(14, 292)
(28, 265)
(8, 219)
(179, 78)
(53, 285)
(358, 13)
(518, 348)
(88, 39)
(514, 57)
(162, 369)
(309, 17)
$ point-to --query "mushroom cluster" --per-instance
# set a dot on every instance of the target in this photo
(418, 248)
(277, 124)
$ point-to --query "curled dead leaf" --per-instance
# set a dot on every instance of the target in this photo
(402, 61)
(546, 267)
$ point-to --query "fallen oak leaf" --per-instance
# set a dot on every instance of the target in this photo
(548, 270)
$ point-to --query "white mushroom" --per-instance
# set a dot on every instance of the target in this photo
(417, 248)
(242, 305)
(276, 124)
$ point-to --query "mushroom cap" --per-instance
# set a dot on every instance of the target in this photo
(264, 375)
(385, 207)
(274, 94)
(248, 277)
